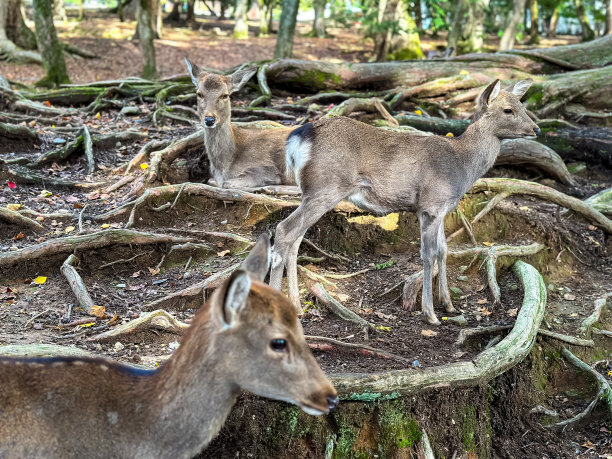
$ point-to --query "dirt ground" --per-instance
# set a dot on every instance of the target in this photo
(577, 262)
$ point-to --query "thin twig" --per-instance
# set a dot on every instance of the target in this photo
(327, 254)
(106, 265)
(81, 218)
(317, 277)
(36, 317)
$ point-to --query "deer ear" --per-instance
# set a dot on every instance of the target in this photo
(235, 298)
(194, 71)
(489, 94)
(258, 261)
(521, 87)
(240, 77)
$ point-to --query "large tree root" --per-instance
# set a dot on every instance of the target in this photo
(87, 242)
(83, 299)
(414, 284)
(487, 365)
(587, 324)
(19, 220)
(371, 105)
(16, 132)
(543, 192)
(470, 333)
(192, 297)
(604, 394)
(158, 320)
(337, 308)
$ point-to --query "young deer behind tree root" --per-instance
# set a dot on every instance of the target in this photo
(382, 172)
(239, 158)
(247, 337)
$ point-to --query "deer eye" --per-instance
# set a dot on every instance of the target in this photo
(225, 96)
(278, 345)
(200, 95)
(508, 111)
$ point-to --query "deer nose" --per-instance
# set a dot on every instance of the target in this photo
(332, 401)
(209, 121)
(537, 130)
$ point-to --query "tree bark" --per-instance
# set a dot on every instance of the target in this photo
(478, 10)
(534, 36)
(81, 10)
(241, 28)
(263, 19)
(145, 36)
(286, 29)
(587, 32)
(418, 15)
(318, 26)
(509, 36)
(608, 29)
(191, 11)
(49, 46)
(454, 34)
(554, 20)
(16, 39)
(157, 19)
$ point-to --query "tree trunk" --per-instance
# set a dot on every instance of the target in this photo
(59, 10)
(175, 13)
(120, 10)
(382, 37)
(406, 44)
(509, 36)
(270, 15)
(534, 36)
(454, 33)
(478, 11)
(418, 15)
(554, 19)
(286, 29)
(191, 11)
(81, 10)
(263, 20)
(49, 46)
(608, 30)
(318, 26)
(587, 32)
(241, 28)
(157, 19)
(145, 36)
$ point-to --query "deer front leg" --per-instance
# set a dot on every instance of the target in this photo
(443, 292)
(429, 241)
(292, 279)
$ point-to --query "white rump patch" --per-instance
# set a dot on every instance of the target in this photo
(298, 153)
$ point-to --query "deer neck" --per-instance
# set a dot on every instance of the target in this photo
(194, 396)
(220, 148)
(480, 147)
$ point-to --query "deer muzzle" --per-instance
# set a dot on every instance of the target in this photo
(209, 121)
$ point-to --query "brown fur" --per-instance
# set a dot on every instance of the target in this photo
(239, 157)
(96, 408)
(384, 171)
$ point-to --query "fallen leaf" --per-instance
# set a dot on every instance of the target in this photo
(343, 297)
(569, 297)
(48, 104)
(40, 280)
(12, 185)
(19, 236)
(71, 198)
(385, 316)
(98, 311)
(512, 312)
(482, 301)
(480, 288)
(105, 225)
(69, 229)
(464, 72)
(418, 112)
(489, 244)
(89, 324)
(154, 271)
(450, 134)
(428, 333)
(45, 194)
(136, 274)
(223, 253)
(98, 116)
(144, 166)
(592, 228)
(524, 208)
(13, 207)
(484, 311)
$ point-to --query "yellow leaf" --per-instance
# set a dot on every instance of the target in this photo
(45, 193)
(573, 314)
(444, 318)
(524, 208)
(89, 324)
(450, 134)
(69, 229)
(13, 207)
(482, 301)
(144, 166)
(98, 116)
(106, 225)
(154, 271)
(489, 244)
(382, 328)
(418, 112)
(53, 126)
(98, 311)
(223, 253)
(40, 280)
(464, 72)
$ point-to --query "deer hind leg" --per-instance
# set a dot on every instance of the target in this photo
(443, 292)
(292, 279)
(429, 249)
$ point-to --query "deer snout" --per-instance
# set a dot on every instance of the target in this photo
(209, 121)
(332, 402)
(537, 130)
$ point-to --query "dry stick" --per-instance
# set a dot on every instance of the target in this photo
(119, 183)
(81, 218)
(106, 265)
(17, 219)
(88, 147)
(426, 445)
(467, 227)
(83, 298)
(347, 276)
(33, 213)
(373, 104)
(87, 241)
(36, 317)
(587, 324)
(337, 308)
(567, 339)
(373, 350)
(522, 187)
(336, 257)
(317, 277)
(187, 246)
(604, 393)
(168, 205)
(494, 201)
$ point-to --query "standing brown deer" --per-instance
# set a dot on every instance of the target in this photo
(239, 158)
(382, 172)
(247, 337)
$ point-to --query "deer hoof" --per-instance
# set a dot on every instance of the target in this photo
(448, 307)
(432, 320)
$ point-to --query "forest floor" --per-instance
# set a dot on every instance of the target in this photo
(111, 39)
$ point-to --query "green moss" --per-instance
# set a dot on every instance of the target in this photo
(320, 78)
(397, 430)
(470, 426)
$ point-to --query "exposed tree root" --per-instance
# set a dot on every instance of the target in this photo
(567, 339)
(192, 297)
(425, 447)
(487, 365)
(317, 277)
(494, 201)
(467, 334)
(16, 132)
(275, 190)
(543, 192)
(19, 220)
(331, 256)
(363, 348)
(88, 148)
(87, 242)
(587, 324)
(266, 94)
(337, 308)
(371, 105)
(414, 283)
(604, 393)
(43, 350)
(437, 87)
(158, 320)
(83, 299)
(119, 183)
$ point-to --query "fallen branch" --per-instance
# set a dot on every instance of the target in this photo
(567, 339)
(365, 349)
(317, 277)
(604, 393)
(87, 242)
(83, 299)
(337, 308)
(158, 320)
